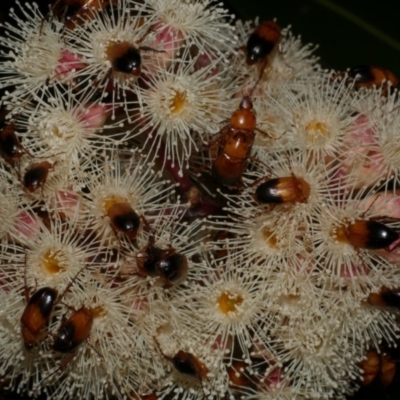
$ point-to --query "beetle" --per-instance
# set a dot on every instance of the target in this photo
(123, 219)
(289, 189)
(369, 76)
(37, 312)
(74, 331)
(370, 234)
(75, 12)
(378, 365)
(36, 175)
(167, 264)
(10, 145)
(262, 41)
(36, 316)
(235, 142)
(385, 298)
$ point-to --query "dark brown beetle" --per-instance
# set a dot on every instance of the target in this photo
(75, 12)
(378, 365)
(262, 41)
(167, 264)
(10, 145)
(123, 218)
(36, 316)
(187, 364)
(283, 190)
(37, 312)
(385, 298)
(370, 234)
(74, 331)
(369, 76)
(36, 175)
(235, 142)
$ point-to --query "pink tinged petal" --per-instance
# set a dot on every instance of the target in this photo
(140, 303)
(391, 254)
(353, 271)
(203, 61)
(363, 167)
(27, 224)
(223, 344)
(361, 157)
(94, 116)
(362, 133)
(167, 42)
(274, 380)
(68, 203)
(383, 204)
(394, 246)
(68, 63)
(168, 39)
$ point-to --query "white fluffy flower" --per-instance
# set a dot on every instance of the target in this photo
(124, 194)
(182, 103)
(316, 118)
(229, 306)
(288, 63)
(202, 23)
(115, 47)
(35, 54)
(60, 122)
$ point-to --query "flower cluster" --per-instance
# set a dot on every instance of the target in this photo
(190, 208)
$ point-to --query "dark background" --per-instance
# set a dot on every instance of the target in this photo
(349, 32)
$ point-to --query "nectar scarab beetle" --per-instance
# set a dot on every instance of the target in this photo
(370, 234)
(368, 76)
(36, 315)
(235, 142)
(74, 331)
(283, 190)
(385, 298)
(167, 264)
(36, 175)
(124, 219)
(262, 41)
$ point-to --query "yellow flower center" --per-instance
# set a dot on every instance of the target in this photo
(98, 312)
(316, 129)
(339, 233)
(51, 263)
(177, 102)
(270, 238)
(229, 302)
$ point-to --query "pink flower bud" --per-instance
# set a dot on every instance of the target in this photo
(169, 39)
(273, 380)
(94, 116)
(26, 224)
(204, 60)
(68, 203)
(352, 271)
(68, 64)
(383, 204)
(167, 42)
(392, 254)
(362, 161)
